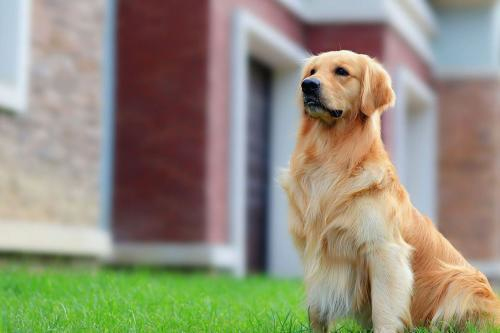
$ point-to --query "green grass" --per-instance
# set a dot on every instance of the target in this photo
(69, 299)
(83, 299)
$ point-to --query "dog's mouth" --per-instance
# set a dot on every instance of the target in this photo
(315, 108)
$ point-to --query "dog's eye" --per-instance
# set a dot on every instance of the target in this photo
(312, 72)
(341, 71)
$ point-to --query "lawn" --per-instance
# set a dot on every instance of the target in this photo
(84, 299)
(79, 299)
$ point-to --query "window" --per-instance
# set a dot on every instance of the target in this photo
(14, 42)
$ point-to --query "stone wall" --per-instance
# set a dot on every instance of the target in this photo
(49, 155)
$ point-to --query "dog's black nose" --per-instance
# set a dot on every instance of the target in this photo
(310, 86)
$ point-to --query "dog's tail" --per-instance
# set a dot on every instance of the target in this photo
(469, 298)
(485, 301)
(490, 307)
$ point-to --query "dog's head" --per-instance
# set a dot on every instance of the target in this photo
(341, 84)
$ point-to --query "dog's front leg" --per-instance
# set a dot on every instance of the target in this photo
(391, 280)
(317, 321)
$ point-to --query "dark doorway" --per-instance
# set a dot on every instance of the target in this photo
(259, 108)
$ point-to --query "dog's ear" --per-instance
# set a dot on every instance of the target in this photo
(376, 91)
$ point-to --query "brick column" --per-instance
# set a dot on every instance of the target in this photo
(159, 192)
(469, 121)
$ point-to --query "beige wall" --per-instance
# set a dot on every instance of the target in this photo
(49, 155)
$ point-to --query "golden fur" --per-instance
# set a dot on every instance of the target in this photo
(366, 250)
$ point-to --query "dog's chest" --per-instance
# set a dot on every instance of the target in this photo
(322, 199)
(339, 290)
(338, 283)
(314, 192)
(329, 204)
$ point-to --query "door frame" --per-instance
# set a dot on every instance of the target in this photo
(252, 37)
(411, 88)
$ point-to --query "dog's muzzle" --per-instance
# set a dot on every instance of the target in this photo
(311, 91)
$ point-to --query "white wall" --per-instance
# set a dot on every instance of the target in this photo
(254, 37)
(468, 39)
(283, 259)
(415, 154)
(420, 176)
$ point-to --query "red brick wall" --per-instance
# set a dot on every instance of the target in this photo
(161, 121)
(468, 164)
(361, 38)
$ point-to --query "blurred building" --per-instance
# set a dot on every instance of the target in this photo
(153, 132)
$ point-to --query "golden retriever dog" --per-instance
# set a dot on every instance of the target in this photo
(367, 252)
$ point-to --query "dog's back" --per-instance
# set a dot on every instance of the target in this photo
(447, 289)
